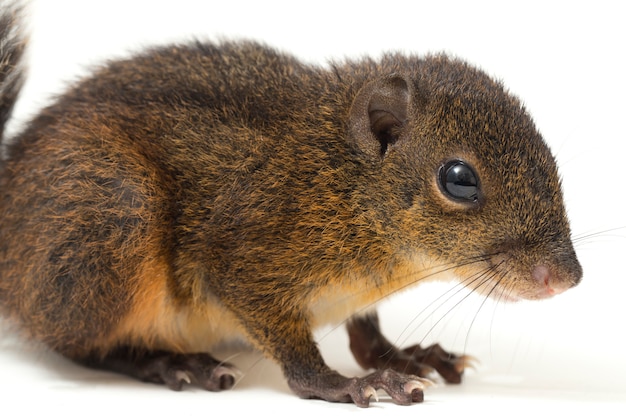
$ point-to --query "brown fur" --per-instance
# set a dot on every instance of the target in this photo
(196, 193)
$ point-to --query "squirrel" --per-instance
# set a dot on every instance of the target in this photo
(200, 192)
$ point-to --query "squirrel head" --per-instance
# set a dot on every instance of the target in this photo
(475, 187)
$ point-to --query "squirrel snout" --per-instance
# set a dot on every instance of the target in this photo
(540, 280)
(552, 282)
(547, 284)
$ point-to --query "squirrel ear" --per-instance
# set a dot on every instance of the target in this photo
(378, 114)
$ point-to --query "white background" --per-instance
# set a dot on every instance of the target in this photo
(564, 59)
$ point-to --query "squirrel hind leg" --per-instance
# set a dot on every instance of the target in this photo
(169, 368)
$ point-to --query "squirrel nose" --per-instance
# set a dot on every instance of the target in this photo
(551, 283)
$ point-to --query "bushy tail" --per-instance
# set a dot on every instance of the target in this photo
(12, 45)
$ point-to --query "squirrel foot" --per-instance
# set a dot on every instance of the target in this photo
(373, 351)
(171, 369)
(331, 386)
(448, 365)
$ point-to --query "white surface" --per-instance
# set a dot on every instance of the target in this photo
(564, 59)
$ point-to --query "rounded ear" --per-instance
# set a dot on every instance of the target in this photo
(379, 114)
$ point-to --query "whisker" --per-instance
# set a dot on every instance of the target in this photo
(451, 293)
(491, 273)
(473, 283)
(243, 375)
(444, 268)
(456, 288)
(602, 233)
(368, 289)
(490, 278)
(481, 277)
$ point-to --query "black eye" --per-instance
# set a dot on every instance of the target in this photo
(459, 181)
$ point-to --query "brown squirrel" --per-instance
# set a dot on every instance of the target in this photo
(199, 193)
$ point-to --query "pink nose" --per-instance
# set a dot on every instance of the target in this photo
(550, 284)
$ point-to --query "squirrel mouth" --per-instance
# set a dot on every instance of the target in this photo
(502, 281)
(543, 283)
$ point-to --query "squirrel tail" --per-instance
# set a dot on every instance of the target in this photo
(12, 46)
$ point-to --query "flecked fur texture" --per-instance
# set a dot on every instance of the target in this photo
(201, 192)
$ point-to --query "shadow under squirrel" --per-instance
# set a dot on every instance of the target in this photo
(199, 193)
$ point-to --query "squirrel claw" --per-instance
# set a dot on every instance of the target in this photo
(370, 392)
(465, 362)
(182, 377)
(450, 366)
(373, 351)
(418, 383)
(172, 369)
(199, 369)
(403, 389)
(175, 370)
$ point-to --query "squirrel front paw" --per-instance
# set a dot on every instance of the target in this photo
(331, 386)
(373, 351)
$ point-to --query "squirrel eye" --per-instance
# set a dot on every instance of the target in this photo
(459, 181)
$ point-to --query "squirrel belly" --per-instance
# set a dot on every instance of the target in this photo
(157, 322)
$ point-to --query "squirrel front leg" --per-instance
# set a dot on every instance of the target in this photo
(290, 342)
(373, 351)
